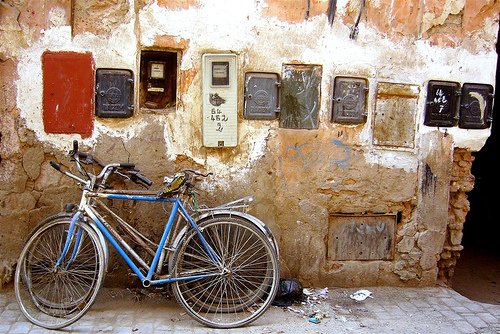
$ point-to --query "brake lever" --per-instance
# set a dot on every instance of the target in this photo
(75, 148)
(137, 177)
(197, 172)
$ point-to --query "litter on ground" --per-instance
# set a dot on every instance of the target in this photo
(361, 295)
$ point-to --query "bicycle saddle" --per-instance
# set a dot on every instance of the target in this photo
(173, 185)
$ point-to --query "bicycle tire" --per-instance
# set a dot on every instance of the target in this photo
(240, 288)
(52, 297)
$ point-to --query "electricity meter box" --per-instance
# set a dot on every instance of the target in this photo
(442, 103)
(114, 93)
(349, 100)
(476, 106)
(261, 96)
(220, 100)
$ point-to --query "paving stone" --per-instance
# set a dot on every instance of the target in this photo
(451, 315)
(450, 302)
(464, 327)
(475, 321)
(487, 317)
(20, 327)
(408, 307)
(4, 328)
(391, 310)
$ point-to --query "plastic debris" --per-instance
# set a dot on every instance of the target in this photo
(314, 320)
(290, 289)
(361, 295)
(299, 312)
(322, 293)
(314, 296)
(317, 317)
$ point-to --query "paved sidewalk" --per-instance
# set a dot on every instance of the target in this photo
(437, 310)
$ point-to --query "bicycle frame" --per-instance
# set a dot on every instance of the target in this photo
(223, 262)
(146, 279)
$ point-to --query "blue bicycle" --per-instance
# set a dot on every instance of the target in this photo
(222, 263)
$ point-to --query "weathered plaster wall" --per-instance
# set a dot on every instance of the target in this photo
(299, 177)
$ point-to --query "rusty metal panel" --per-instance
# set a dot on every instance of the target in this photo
(68, 92)
(442, 103)
(361, 237)
(394, 120)
(300, 96)
(114, 93)
(349, 100)
(476, 106)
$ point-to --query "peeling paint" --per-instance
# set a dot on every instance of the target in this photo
(295, 174)
(391, 159)
(433, 17)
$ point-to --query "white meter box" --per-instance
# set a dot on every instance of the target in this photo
(220, 100)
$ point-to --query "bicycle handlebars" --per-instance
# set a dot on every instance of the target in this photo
(88, 159)
(126, 170)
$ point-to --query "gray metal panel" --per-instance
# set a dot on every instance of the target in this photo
(349, 100)
(300, 96)
(261, 95)
(114, 93)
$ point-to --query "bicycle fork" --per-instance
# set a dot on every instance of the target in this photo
(69, 239)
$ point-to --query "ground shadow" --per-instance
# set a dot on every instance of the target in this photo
(477, 275)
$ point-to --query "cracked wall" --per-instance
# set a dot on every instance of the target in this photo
(299, 177)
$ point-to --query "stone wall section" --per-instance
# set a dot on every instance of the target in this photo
(300, 177)
(462, 182)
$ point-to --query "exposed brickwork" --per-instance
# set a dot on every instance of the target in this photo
(462, 182)
(35, 16)
(444, 23)
(110, 13)
(394, 18)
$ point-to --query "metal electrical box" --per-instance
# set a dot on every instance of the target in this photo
(349, 100)
(220, 103)
(68, 92)
(114, 91)
(300, 96)
(261, 95)
(442, 103)
(476, 106)
(158, 80)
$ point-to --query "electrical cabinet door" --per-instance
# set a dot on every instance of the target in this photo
(476, 106)
(349, 100)
(442, 103)
(68, 92)
(114, 93)
(220, 103)
(261, 95)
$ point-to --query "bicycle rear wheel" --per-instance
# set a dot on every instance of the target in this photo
(237, 288)
(53, 296)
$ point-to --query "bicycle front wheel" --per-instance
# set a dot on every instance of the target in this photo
(233, 270)
(54, 296)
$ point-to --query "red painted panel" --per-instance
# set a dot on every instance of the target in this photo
(68, 92)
